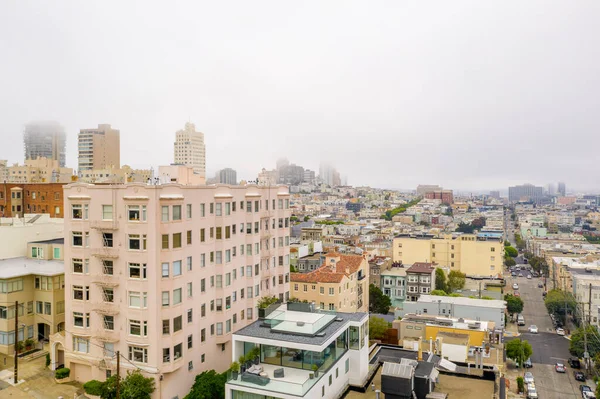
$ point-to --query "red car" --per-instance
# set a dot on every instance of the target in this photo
(560, 368)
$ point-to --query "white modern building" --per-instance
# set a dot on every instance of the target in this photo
(303, 354)
(456, 307)
(190, 150)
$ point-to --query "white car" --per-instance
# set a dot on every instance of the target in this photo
(515, 286)
(560, 331)
(529, 277)
(533, 329)
(528, 377)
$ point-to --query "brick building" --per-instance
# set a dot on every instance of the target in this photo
(446, 196)
(17, 199)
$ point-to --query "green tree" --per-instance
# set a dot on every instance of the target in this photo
(465, 228)
(378, 301)
(576, 346)
(306, 218)
(456, 281)
(508, 261)
(377, 327)
(514, 304)
(133, 386)
(507, 243)
(518, 350)
(511, 251)
(438, 293)
(440, 279)
(557, 301)
(293, 218)
(208, 385)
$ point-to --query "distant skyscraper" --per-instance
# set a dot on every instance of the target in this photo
(525, 192)
(329, 175)
(228, 176)
(190, 150)
(45, 139)
(290, 174)
(309, 176)
(99, 148)
(562, 189)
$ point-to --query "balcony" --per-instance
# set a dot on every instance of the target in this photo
(106, 336)
(106, 308)
(295, 381)
(106, 280)
(105, 252)
(104, 224)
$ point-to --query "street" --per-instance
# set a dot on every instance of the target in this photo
(548, 347)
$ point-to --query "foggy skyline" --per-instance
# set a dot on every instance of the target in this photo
(468, 95)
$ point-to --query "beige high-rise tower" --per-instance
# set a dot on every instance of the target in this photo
(99, 148)
(189, 149)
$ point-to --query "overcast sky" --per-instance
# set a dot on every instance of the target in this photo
(465, 94)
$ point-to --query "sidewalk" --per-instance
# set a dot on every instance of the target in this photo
(38, 382)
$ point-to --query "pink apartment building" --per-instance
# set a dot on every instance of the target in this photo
(165, 274)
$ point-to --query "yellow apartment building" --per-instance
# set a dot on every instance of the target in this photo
(468, 253)
(37, 282)
(341, 284)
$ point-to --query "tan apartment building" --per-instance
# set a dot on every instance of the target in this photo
(169, 273)
(341, 284)
(36, 281)
(112, 175)
(99, 148)
(468, 253)
(189, 149)
(40, 170)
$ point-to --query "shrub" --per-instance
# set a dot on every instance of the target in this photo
(47, 359)
(62, 373)
(93, 387)
(520, 384)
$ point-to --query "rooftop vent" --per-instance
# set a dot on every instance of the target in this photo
(321, 334)
(339, 319)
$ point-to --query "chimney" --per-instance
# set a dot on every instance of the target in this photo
(420, 350)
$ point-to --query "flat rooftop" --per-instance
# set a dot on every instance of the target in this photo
(453, 385)
(485, 303)
(18, 267)
(312, 328)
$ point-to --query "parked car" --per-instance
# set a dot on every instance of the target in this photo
(513, 274)
(533, 329)
(574, 363)
(540, 285)
(586, 392)
(531, 391)
(515, 286)
(560, 368)
(579, 376)
(527, 364)
(560, 331)
(544, 294)
(520, 274)
(529, 277)
(528, 377)
(516, 293)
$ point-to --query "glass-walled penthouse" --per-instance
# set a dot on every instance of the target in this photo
(286, 354)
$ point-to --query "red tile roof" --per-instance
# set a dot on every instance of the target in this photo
(325, 274)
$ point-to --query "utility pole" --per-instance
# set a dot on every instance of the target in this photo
(16, 372)
(586, 354)
(118, 375)
(590, 305)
